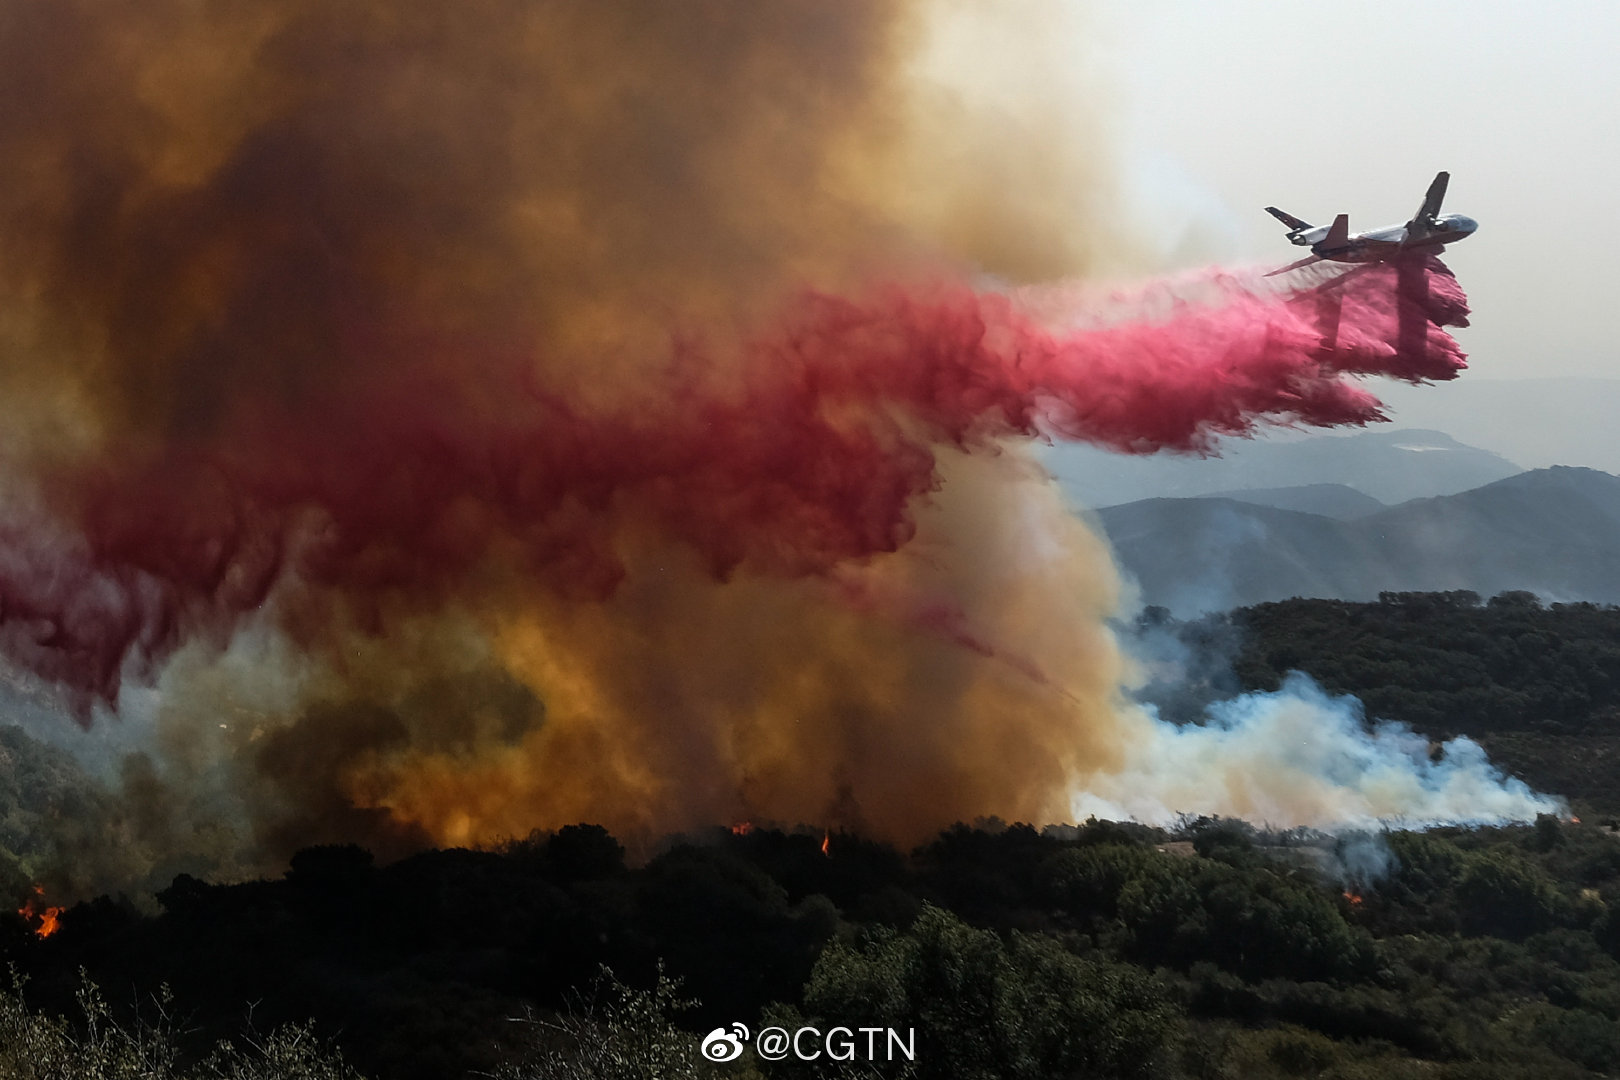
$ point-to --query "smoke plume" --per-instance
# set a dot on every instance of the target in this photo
(474, 418)
(1301, 756)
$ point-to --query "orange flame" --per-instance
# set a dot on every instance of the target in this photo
(1573, 820)
(742, 828)
(36, 908)
(826, 843)
(1354, 898)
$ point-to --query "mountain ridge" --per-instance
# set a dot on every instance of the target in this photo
(1390, 465)
(1554, 532)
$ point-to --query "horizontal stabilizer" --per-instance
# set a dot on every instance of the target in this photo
(1338, 281)
(1306, 261)
(1288, 219)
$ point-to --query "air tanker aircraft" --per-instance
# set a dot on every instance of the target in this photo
(1427, 232)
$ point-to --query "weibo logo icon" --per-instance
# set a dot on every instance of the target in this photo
(725, 1044)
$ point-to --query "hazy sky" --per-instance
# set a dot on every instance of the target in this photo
(1353, 106)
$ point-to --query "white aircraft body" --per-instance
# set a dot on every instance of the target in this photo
(1428, 232)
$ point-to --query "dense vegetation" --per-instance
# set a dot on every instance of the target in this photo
(1538, 687)
(1108, 950)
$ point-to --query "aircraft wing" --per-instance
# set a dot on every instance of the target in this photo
(1423, 220)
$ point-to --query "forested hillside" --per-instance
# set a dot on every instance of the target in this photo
(1537, 686)
(1103, 951)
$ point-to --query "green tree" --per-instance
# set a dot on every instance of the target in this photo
(1501, 893)
(987, 1008)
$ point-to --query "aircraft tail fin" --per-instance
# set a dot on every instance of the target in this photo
(1338, 235)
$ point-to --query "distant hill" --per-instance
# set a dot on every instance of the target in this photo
(1391, 466)
(1535, 422)
(1204, 554)
(1555, 532)
(1329, 500)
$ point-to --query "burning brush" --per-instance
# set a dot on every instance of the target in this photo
(42, 919)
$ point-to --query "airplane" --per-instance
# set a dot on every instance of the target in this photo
(1428, 232)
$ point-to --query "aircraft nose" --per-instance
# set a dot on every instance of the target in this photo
(1463, 224)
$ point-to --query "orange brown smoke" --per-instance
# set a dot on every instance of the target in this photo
(580, 408)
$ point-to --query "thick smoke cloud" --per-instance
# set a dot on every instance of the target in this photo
(1300, 756)
(482, 417)
(812, 459)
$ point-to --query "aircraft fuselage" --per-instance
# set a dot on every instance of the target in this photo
(1385, 243)
(1428, 232)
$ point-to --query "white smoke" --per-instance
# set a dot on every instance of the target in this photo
(1361, 859)
(1301, 756)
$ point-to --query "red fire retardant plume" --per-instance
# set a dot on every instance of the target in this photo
(398, 483)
